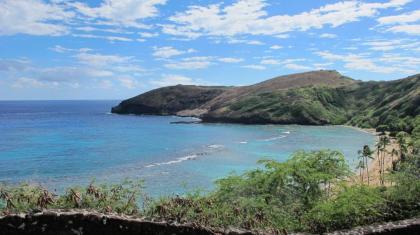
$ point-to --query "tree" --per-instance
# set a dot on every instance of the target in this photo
(402, 140)
(381, 147)
(361, 165)
(367, 154)
(364, 155)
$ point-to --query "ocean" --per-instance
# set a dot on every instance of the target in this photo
(62, 143)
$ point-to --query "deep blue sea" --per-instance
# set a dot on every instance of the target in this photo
(62, 143)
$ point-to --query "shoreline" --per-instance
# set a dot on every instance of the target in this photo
(365, 130)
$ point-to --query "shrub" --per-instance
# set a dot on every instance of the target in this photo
(119, 198)
(352, 206)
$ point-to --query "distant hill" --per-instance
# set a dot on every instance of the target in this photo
(311, 98)
(169, 100)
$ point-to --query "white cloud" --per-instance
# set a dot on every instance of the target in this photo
(148, 35)
(100, 60)
(173, 79)
(33, 17)
(254, 66)
(409, 62)
(389, 45)
(245, 41)
(61, 49)
(109, 38)
(90, 68)
(270, 62)
(100, 65)
(230, 60)
(126, 13)
(128, 82)
(293, 66)
(405, 23)
(363, 63)
(276, 47)
(350, 48)
(167, 52)
(24, 82)
(231, 40)
(282, 36)
(109, 30)
(409, 17)
(249, 17)
(13, 65)
(382, 45)
(288, 63)
(327, 35)
(198, 62)
(413, 29)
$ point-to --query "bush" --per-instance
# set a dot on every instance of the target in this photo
(119, 198)
(353, 206)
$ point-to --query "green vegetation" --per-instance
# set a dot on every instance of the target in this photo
(119, 198)
(309, 192)
(308, 105)
(311, 98)
(387, 106)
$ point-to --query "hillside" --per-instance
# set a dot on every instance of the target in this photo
(311, 98)
(168, 100)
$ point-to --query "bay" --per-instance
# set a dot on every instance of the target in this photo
(62, 143)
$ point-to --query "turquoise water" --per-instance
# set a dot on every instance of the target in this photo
(61, 143)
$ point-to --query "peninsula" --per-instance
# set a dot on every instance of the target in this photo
(311, 98)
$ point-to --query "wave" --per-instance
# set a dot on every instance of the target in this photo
(243, 142)
(274, 138)
(178, 160)
(286, 132)
(215, 146)
(186, 158)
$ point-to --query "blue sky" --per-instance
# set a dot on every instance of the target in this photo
(114, 49)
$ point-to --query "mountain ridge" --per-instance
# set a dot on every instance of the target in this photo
(310, 98)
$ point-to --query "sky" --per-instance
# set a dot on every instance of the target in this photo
(115, 49)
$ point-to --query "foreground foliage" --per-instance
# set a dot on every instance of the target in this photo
(308, 192)
(305, 193)
(119, 198)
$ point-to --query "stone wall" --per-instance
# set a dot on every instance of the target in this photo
(409, 227)
(83, 222)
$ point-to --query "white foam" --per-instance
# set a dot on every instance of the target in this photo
(215, 146)
(286, 132)
(243, 142)
(178, 160)
(274, 138)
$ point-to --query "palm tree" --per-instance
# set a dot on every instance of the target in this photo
(382, 143)
(402, 144)
(367, 154)
(361, 164)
